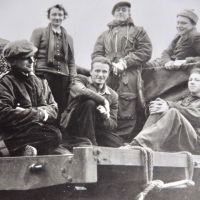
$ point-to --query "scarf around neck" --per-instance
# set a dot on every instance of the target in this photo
(116, 23)
(50, 44)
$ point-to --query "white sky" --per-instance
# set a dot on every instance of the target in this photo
(88, 18)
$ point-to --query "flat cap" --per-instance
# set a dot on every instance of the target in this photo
(119, 4)
(189, 13)
(19, 49)
(101, 59)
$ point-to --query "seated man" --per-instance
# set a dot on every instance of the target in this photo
(185, 47)
(26, 116)
(174, 126)
(93, 106)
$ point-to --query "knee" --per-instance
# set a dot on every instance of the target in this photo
(173, 112)
(90, 103)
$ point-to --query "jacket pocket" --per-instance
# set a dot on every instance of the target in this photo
(127, 104)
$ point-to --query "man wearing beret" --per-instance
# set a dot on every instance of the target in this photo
(27, 109)
(185, 47)
(92, 110)
(128, 47)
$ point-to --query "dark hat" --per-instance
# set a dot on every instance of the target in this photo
(121, 3)
(189, 13)
(101, 59)
(19, 49)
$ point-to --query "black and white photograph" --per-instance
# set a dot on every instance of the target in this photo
(100, 100)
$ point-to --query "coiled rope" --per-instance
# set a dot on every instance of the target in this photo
(150, 184)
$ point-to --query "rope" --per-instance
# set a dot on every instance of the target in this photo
(150, 184)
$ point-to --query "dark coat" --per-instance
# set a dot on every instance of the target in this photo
(182, 47)
(133, 44)
(18, 90)
(83, 89)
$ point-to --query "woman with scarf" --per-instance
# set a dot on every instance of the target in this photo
(128, 47)
(55, 56)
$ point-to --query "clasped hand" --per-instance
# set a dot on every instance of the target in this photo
(158, 106)
(104, 110)
(174, 64)
(119, 67)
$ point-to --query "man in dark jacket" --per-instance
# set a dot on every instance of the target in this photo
(185, 47)
(128, 47)
(93, 106)
(27, 111)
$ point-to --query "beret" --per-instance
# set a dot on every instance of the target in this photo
(19, 49)
(189, 14)
(121, 3)
(101, 59)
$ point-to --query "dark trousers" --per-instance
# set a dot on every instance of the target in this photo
(86, 122)
(45, 138)
(59, 86)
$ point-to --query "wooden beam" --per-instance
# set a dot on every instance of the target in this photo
(130, 157)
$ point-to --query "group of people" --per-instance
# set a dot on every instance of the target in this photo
(44, 102)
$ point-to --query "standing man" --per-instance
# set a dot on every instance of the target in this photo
(128, 47)
(27, 116)
(92, 109)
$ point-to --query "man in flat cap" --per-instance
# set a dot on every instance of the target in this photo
(26, 116)
(92, 109)
(128, 47)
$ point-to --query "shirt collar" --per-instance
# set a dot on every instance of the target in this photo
(103, 91)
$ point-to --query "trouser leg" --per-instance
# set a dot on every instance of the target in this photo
(59, 88)
(83, 121)
(171, 132)
(108, 139)
(44, 138)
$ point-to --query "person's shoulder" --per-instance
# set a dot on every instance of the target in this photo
(81, 77)
(195, 35)
(39, 30)
(112, 92)
(6, 77)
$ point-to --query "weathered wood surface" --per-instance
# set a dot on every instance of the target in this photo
(88, 165)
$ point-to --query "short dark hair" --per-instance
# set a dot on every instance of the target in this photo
(195, 70)
(101, 59)
(58, 6)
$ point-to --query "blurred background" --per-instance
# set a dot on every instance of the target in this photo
(89, 18)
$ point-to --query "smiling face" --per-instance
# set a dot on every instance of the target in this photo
(24, 65)
(122, 13)
(184, 25)
(194, 84)
(56, 16)
(99, 74)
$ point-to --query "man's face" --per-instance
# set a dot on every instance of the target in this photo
(122, 13)
(194, 83)
(99, 73)
(56, 16)
(184, 25)
(24, 65)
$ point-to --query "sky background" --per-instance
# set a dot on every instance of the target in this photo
(89, 18)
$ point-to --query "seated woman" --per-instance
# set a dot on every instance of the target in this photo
(174, 126)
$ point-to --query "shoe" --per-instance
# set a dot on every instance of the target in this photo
(30, 151)
(135, 143)
(60, 150)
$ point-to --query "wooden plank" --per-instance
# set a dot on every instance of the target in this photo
(130, 157)
(84, 166)
(19, 173)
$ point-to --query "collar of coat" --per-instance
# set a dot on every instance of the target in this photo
(103, 91)
(115, 23)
